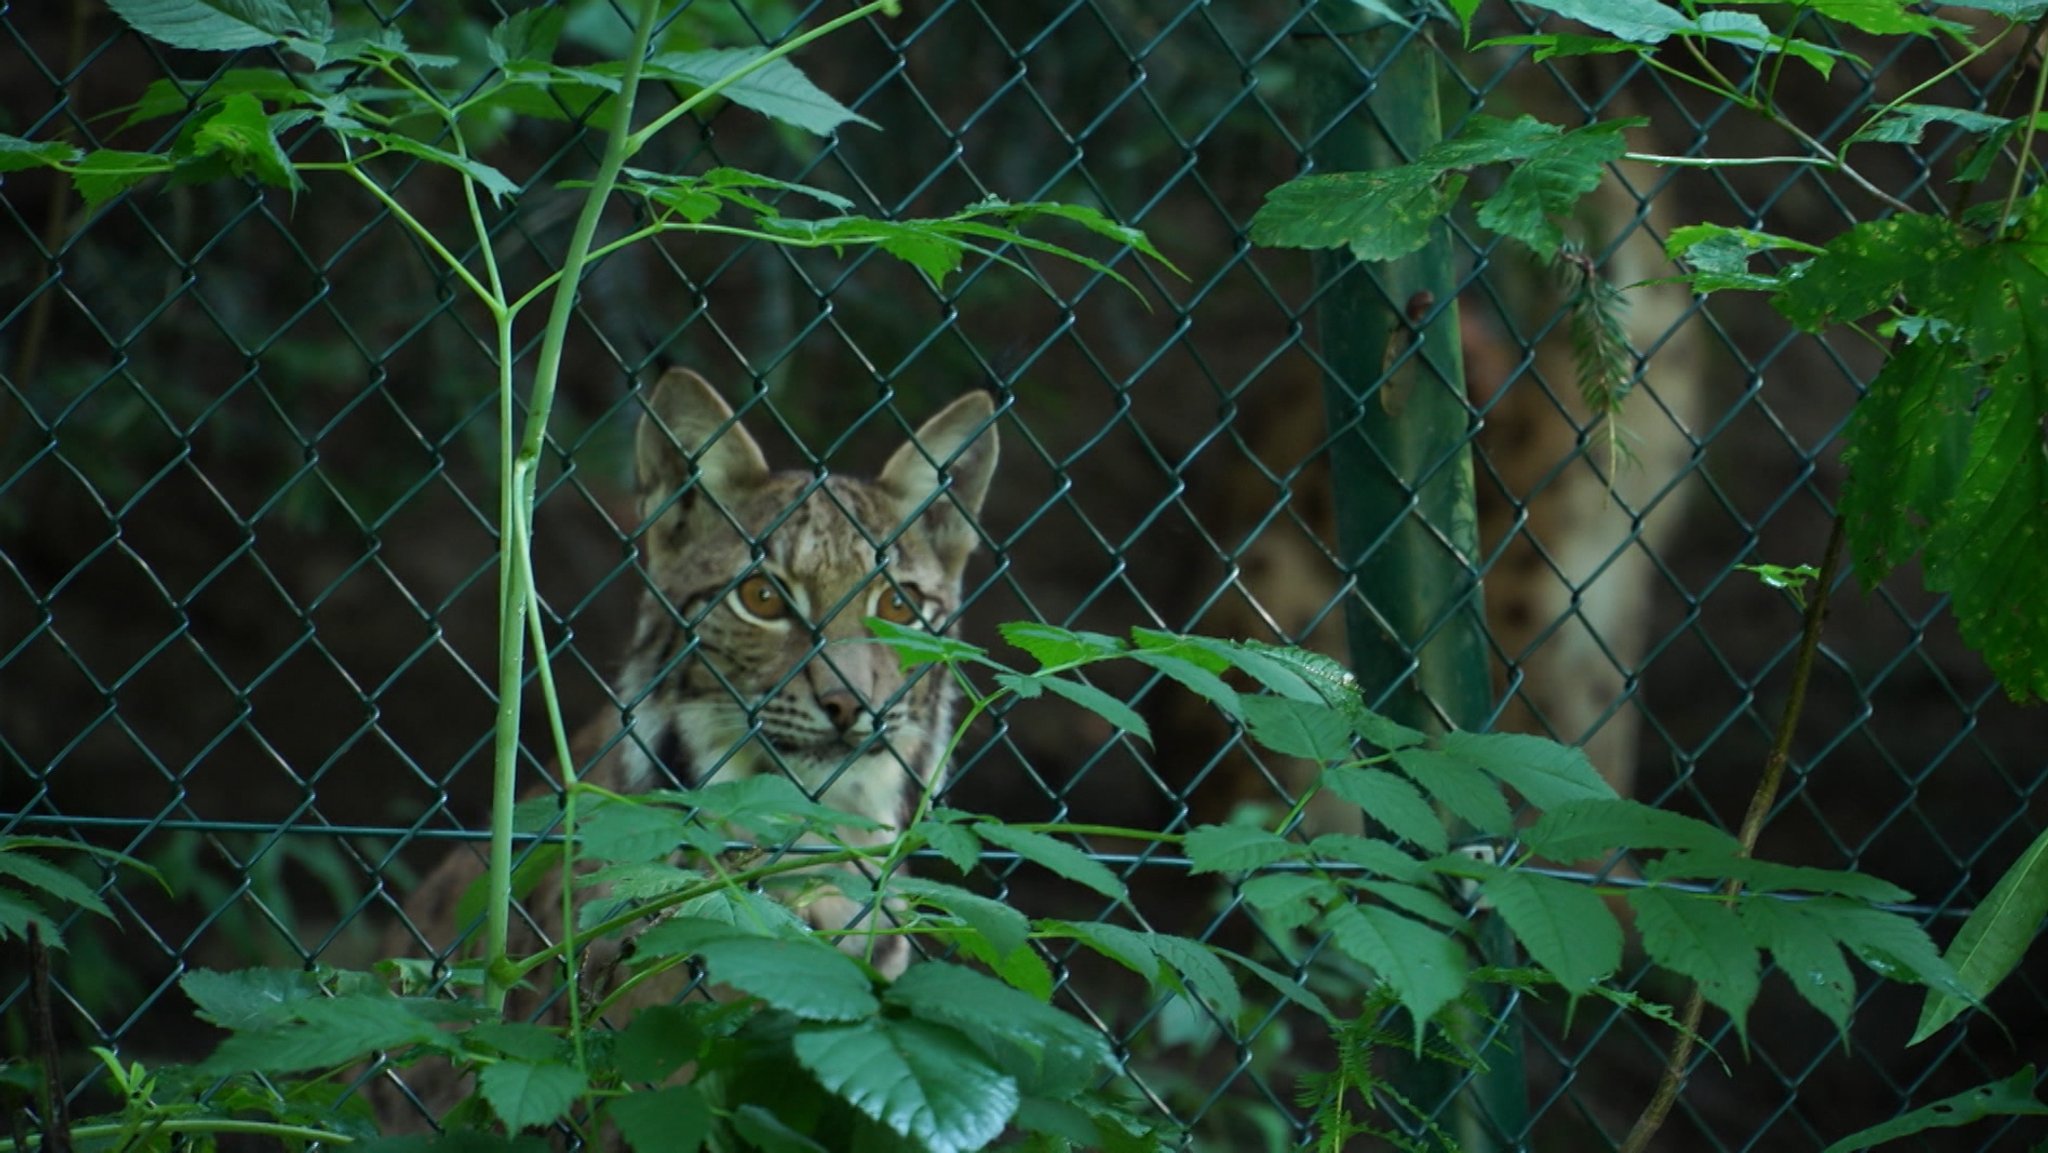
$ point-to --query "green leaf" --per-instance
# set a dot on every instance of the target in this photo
(1893, 946)
(1004, 928)
(1881, 17)
(239, 133)
(1424, 967)
(17, 917)
(1376, 856)
(1566, 927)
(1289, 900)
(1546, 773)
(1381, 215)
(1577, 830)
(671, 1119)
(1292, 988)
(1109, 708)
(1770, 876)
(488, 178)
(1908, 441)
(1637, 21)
(1459, 787)
(925, 1082)
(528, 36)
(628, 831)
(2012, 1097)
(17, 154)
(524, 1096)
(659, 1040)
(1720, 256)
(1052, 645)
(1747, 30)
(1055, 855)
(1264, 664)
(1699, 937)
(1392, 802)
(246, 998)
(1236, 848)
(1550, 178)
(226, 25)
(1419, 902)
(104, 174)
(1860, 271)
(801, 975)
(329, 1032)
(777, 90)
(1185, 668)
(1133, 950)
(1309, 729)
(1907, 123)
(1994, 938)
(952, 840)
(1047, 1050)
(60, 886)
(1805, 952)
(1203, 974)
(916, 646)
(768, 1132)
(1989, 548)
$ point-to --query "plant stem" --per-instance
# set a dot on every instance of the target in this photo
(1760, 803)
(198, 1125)
(516, 519)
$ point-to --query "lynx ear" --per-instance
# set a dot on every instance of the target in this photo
(962, 441)
(685, 415)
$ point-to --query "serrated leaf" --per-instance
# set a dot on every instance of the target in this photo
(1907, 123)
(627, 831)
(1196, 963)
(659, 1040)
(1908, 441)
(17, 917)
(1288, 900)
(1392, 802)
(60, 886)
(528, 36)
(954, 841)
(1053, 854)
(1637, 21)
(239, 133)
(1549, 182)
(777, 90)
(1293, 988)
(101, 175)
(1418, 902)
(1457, 786)
(1236, 848)
(1004, 928)
(916, 646)
(1424, 967)
(2012, 1097)
(671, 1119)
(488, 178)
(1133, 950)
(1860, 271)
(1376, 856)
(1567, 928)
(1994, 938)
(1700, 938)
(1048, 1051)
(1805, 953)
(1719, 256)
(1052, 645)
(1119, 715)
(925, 1082)
(1191, 674)
(246, 998)
(1546, 773)
(1309, 729)
(1747, 30)
(1770, 876)
(17, 154)
(1880, 17)
(803, 976)
(226, 25)
(524, 1095)
(1382, 215)
(1581, 829)
(328, 1033)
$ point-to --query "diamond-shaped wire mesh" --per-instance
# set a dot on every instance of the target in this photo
(247, 511)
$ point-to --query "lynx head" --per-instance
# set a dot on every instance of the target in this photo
(755, 574)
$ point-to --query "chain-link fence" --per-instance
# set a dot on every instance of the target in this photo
(247, 555)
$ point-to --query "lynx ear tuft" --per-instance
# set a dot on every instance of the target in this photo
(688, 422)
(962, 441)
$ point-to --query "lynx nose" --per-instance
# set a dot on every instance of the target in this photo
(841, 707)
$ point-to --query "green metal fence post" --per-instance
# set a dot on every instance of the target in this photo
(1401, 470)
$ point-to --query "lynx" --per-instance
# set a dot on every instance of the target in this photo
(733, 670)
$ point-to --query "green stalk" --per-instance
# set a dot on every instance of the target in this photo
(515, 510)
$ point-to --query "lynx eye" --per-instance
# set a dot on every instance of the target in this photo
(892, 606)
(758, 597)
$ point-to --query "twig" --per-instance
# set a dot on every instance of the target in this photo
(1760, 803)
(56, 1129)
